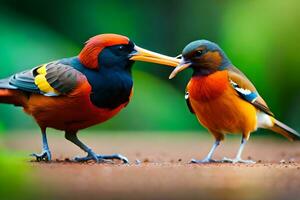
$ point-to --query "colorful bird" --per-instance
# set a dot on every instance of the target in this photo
(223, 98)
(75, 93)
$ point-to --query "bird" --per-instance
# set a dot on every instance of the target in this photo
(75, 93)
(223, 99)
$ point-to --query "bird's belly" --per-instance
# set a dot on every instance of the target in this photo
(224, 112)
(68, 113)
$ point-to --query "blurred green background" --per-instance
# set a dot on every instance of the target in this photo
(261, 37)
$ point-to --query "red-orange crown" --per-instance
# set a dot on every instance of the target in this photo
(89, 54)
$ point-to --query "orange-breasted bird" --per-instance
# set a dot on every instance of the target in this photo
(75, 93)
(223, 99)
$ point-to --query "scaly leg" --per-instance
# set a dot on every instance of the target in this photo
(208, 158)
(238, 158)
(46, 154)
(72, 136)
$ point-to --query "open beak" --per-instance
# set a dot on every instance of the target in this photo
(141, 54)
(182, 66)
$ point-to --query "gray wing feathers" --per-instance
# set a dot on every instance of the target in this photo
(62, 77)
(24, 81)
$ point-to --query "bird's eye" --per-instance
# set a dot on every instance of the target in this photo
(198, 53)
(121, 47)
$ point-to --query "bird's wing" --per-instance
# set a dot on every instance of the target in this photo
(246, 90)
(23, 81)
(187, 100)
(52, 79)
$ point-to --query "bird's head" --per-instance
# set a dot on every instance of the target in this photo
(204, 57)
(114, 51)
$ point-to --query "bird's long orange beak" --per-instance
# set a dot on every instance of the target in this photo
(141, 54)
(182, 66)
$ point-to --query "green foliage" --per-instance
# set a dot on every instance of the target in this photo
(15, 177)
(2, 128)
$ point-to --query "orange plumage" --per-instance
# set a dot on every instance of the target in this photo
(72, 113)
(212, 98)
(223, 98)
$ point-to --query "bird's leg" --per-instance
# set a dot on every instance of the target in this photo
(208, 159)
(46, 154)
(72, 136)
(238, 158)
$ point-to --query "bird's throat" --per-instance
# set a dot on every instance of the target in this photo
(111, 90)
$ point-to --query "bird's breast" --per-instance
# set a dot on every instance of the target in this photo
(217, 105)
(207, 88)
(68, 113)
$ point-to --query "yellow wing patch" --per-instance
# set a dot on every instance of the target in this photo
(42, 83)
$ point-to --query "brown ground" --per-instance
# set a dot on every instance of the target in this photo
(164, 172)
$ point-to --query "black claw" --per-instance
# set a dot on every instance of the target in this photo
(44, 156)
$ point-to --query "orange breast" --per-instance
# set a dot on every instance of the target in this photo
(217, 105)
(72, 112)
(65, 113)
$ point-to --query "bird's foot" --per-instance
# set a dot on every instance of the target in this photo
(237, 160)
(102, 158)
(44, 156)
(205, 160)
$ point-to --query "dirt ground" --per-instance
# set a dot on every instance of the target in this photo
(163, 171)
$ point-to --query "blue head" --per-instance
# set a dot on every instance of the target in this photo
(204, 57)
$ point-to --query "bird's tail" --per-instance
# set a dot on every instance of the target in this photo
(10, 95)
(284, 130)
(4, 84)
